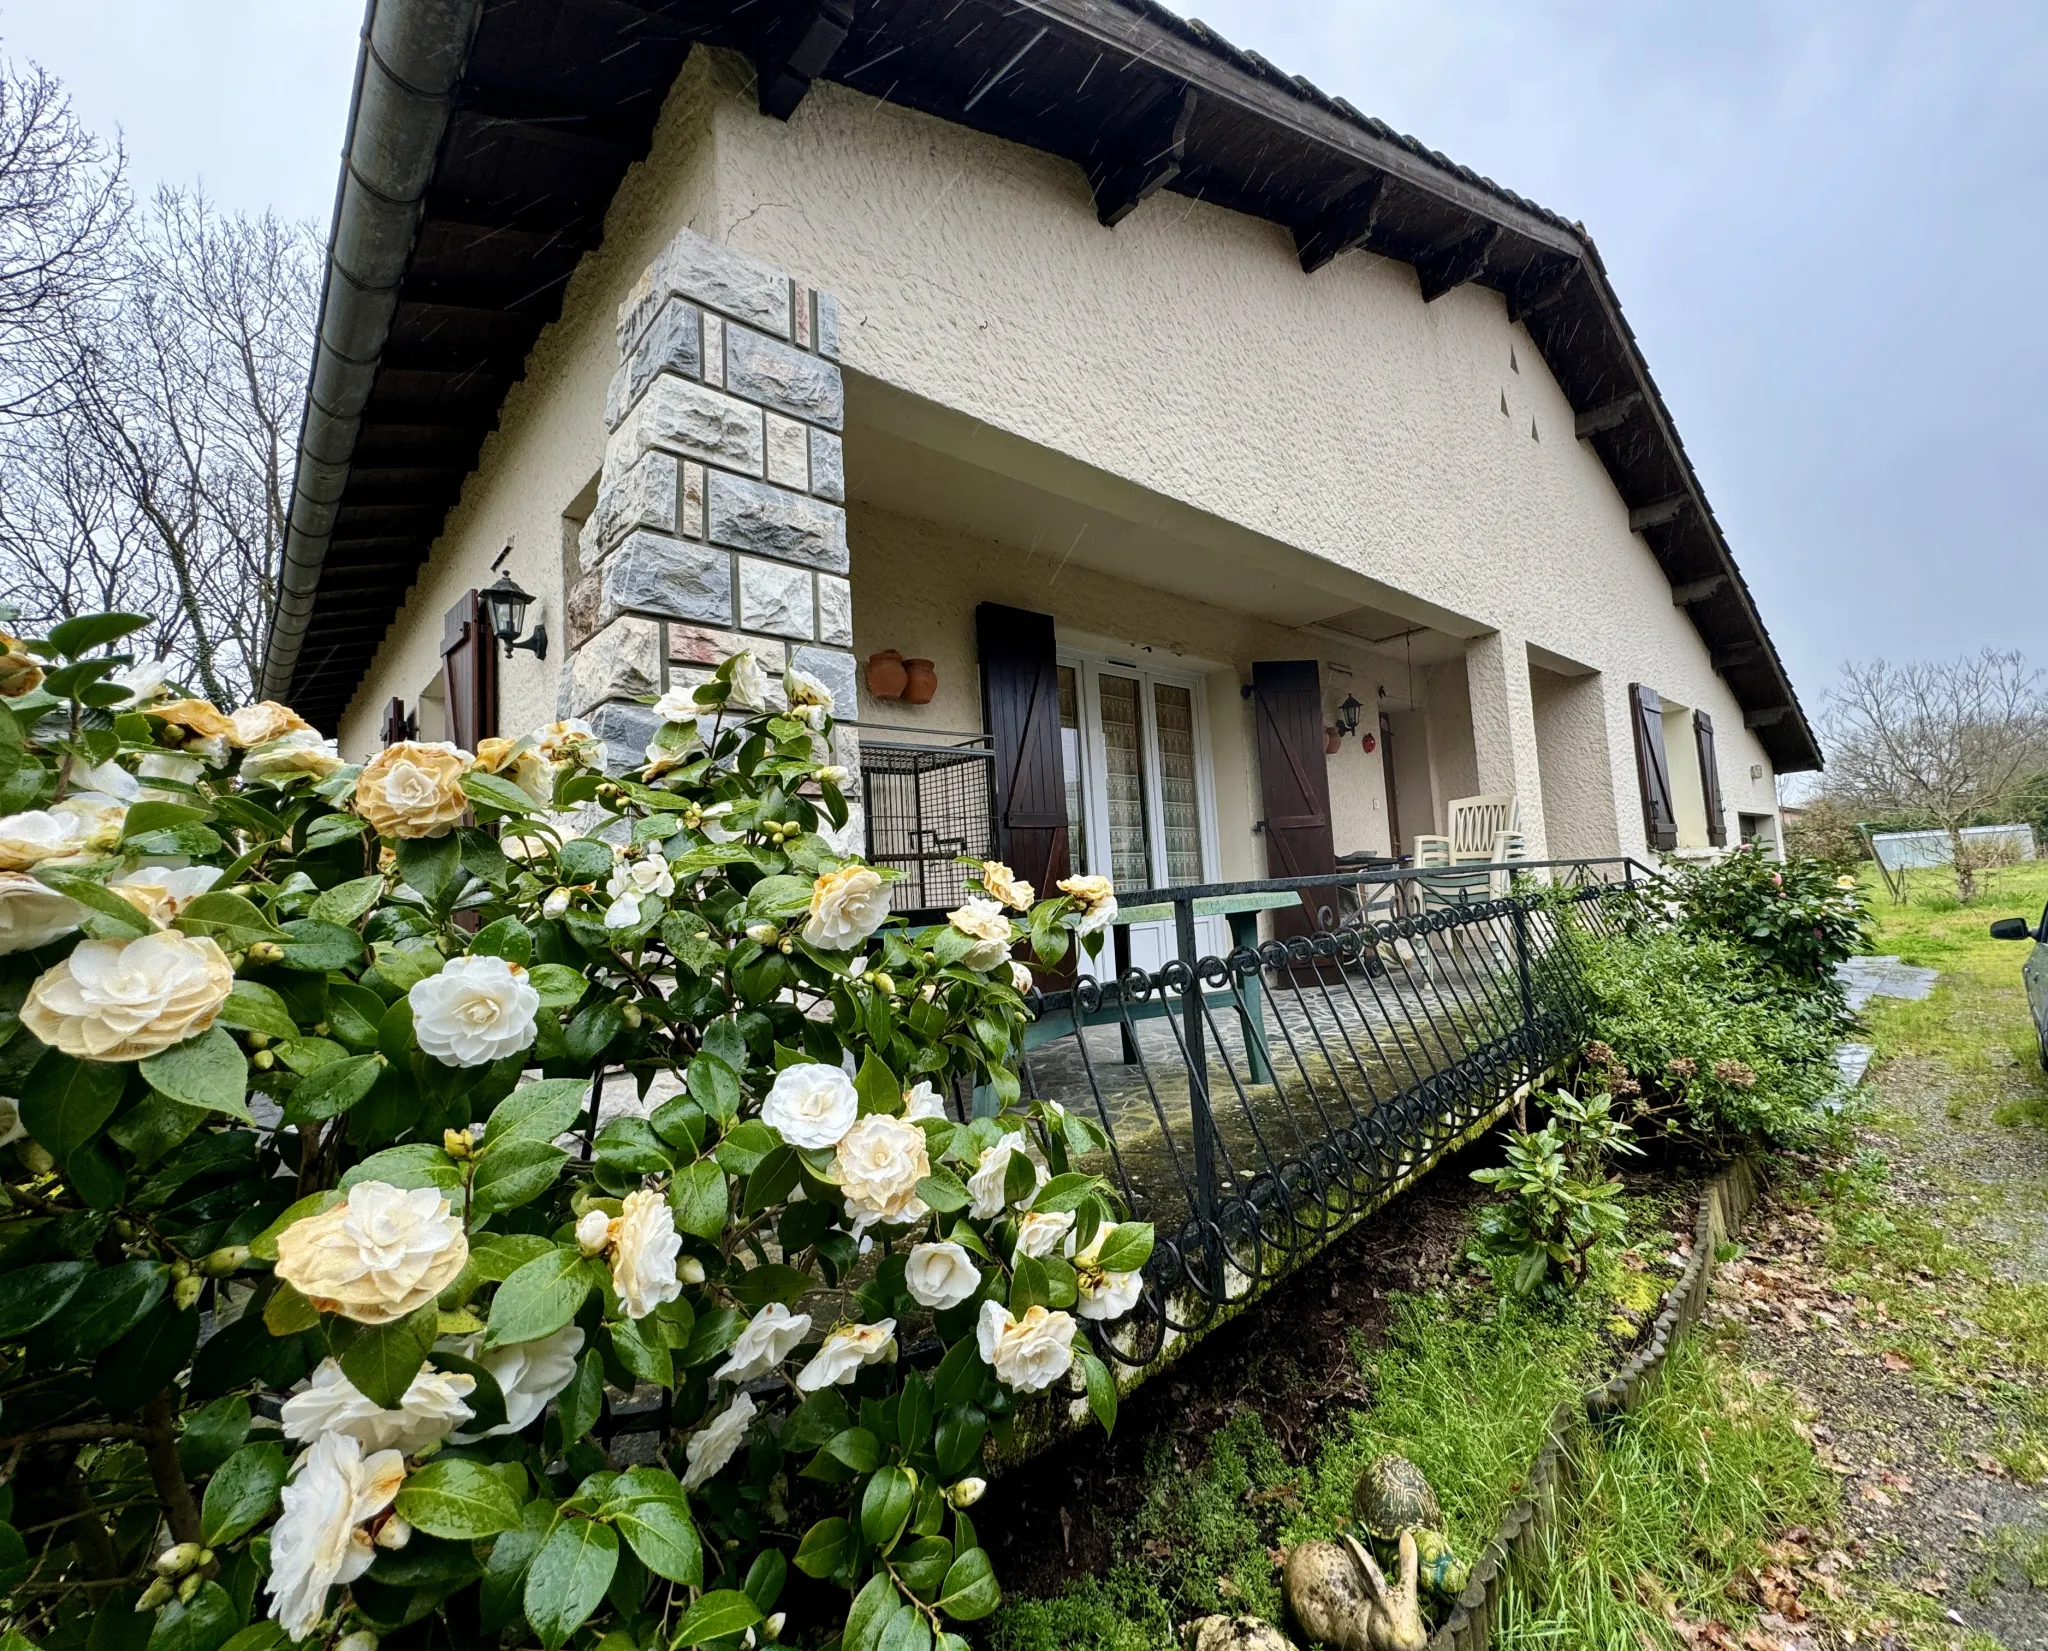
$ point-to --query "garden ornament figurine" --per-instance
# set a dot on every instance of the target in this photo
(1340, 1596)
(1393, 1496)
(1234, 1634)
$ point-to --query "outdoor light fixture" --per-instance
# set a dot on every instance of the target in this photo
(505, 606)
(1347, 715)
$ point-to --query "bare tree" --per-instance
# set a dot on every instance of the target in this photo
(1938, 743)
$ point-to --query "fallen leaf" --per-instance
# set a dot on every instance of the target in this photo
(1896, 1363)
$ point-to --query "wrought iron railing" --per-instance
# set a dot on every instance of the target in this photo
(1258, 1102)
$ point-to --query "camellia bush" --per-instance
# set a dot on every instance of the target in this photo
(470, 1199)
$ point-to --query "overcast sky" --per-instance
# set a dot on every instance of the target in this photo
(1825, 219)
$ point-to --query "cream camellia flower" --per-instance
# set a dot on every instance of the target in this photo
(1030, 1353)
(749, 681)
(920, 1101)
(182, 771)
(769, 1338)
(1103, 1296)
(983, 922)
(32, 915)
(634, 882)
(528, 1373)
(122, 1000)
(810, 701)
(300, 752)
(679, 704)
(198, 718)
(717, 1441)
(841, 1354)
(985, 1185)
(1005, 885)
(263, 722)
(413, 789)
(878, 1166)
(40, 834)
(377, 1255)
(1040, 1233)
(520, 763)
(644, 1247)
(474, 1011)
(161, 893)
(572, 740)
(939, 1276)
(98, 819)
(811, 1105)
(1096, 901)
(319, 1539)
(836, 775)
(145, 680)
(847, 906)
(1020, 978)
(432, 1409)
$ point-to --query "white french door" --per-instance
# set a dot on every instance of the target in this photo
(1141, 802)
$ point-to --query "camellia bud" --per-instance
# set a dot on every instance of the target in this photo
(630, 1014)
(156, 1595)
(177, 1561)
(265, 951)
(554, 905)
(593, 1232)
(263, 1060)
(884, 983)
(690, 1270)
(224, 1261)
(361, 1640)
(457, 1143)
(763, 934)
(181, 1269)
(186, 1291)
(259, 1040)
(190, 1586)
(966, 1492)
(35, 1158)
(771, 1630)
(394, 1533)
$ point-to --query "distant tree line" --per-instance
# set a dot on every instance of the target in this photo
(153, 355)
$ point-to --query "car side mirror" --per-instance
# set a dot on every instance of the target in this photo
(2011, 928)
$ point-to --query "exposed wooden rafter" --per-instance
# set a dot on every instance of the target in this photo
(1768, 718)
(1344, 223)
(1455, 260)
(1608, 415)
(1683, 596)
(1660, 511)
(795, 47)
(1141, 157)
(1737, 655)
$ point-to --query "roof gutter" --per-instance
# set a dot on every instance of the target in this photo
(412, 54)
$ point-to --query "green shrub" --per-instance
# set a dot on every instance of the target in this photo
(1704, 1039)
(1800, 918)
(1559, 1208)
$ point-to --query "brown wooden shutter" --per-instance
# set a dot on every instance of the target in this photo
(1294, 780)
(1710, 779)
(397, 724)
(1653, 771)
(469, 665)
(1020, 705)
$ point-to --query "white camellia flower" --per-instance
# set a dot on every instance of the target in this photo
(836, 775)
(878, 1166)
(474, 1011)
(1027, 1354)
(377, 1255)
(811, 1105)
(593, 1232)
(940, 1276)
(145, 680)
(749, 681)
(1096, 900)
(41, 834)
(97, 818)
(174, 766)
(920, 1100)
(572, 740)
(633, 881)
(985, 1185)
(847, 906)
(841, 1354)
(263, 722)
(644, 1248)
(161, 893)
(32, 915)
(769, 1338)
(679, 704)
(1107, 1296)
(302, 751)
(1039, 1234)
(528, 1373)
(109, 780)
(984, 923)
(318, 1539)
(123, 1000)
(810, 701)
(1020, 978)
(1004, 885)
(556, 903)
(432, 1409)
(715, 1443)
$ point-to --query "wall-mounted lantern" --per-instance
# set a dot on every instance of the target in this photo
(505, 606)
(1347, 715)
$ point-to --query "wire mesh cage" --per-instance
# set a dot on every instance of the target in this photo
(927, 805)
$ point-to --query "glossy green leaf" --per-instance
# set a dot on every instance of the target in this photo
(333, 1089)
(568, 1577)
(462, 1501)
(970, 1592)
(233, 920)
(313, 947)
(515, 1173)
(347, 903)
(208, 1071)
(825, 1547)
(537, 1111)
(254, 1007)
(30, 1296)
(885, 1505)
(202, 1623)
(699, 1199)
(382, 1359)
(720, 1613)
(106, 1306)
(64, 1101)
(241, 1493)
(540, 1298)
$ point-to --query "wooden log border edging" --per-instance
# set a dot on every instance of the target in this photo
(1551, 1479)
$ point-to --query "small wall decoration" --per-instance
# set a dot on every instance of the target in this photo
(1369, 744)
(886, 676)
(921, 681)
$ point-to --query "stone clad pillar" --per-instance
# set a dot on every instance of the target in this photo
(1504, 729)
(720, 521)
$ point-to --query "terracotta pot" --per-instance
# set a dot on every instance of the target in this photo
(1333, 742)
(886, 676)
(923, 683)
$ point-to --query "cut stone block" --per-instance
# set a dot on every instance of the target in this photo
(835, 611)
(623, 661)
(776, 598)
(772, 521)
(682, 417)
(671, 344)
(702, 644)
(789, 459)
(828, 326)
(693, 500)
(644, 497)
(717, 276)
(625, 729)
(828, 466)
(669, 578)
(790, 380)
(834, 668)
(714, 350)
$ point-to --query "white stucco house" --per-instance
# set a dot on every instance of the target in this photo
(1253, 480)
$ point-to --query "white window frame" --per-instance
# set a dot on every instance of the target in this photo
(1095, 776)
